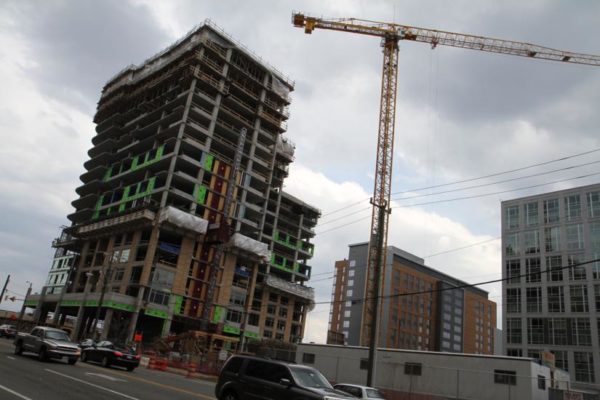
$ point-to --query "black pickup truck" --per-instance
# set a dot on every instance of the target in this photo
(47, 343)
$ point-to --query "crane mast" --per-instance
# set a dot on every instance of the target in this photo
(391, 34)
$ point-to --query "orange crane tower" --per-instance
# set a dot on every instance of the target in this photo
(391, 34)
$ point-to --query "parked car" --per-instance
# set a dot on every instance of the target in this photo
(245, 377)
(362, 392)
(8, 331)
(85, 343)
(108, 354)
(47, 343)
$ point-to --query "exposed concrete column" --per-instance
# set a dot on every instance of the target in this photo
(80, 313)
(171, 310)
(134, 317)
(108, 316)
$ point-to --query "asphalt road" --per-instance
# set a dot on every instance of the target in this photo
(26, 378)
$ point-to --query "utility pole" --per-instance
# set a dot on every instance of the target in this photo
(107, 273)
(375, 298)
(22, 313)
(220, 249)
(4, 288)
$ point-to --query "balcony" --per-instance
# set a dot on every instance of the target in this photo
(304, 292)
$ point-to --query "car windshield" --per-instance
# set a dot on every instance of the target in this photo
(374, 394)
(308, 377)
(54, 335)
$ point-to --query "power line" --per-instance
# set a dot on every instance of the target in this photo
(472, 179)
(431, 255)
(498, 182)
(466, 285)
(500, 192)
(463, 198)
(466, 188)
(462, 248)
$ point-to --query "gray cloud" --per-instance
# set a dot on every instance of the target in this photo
(79, 45)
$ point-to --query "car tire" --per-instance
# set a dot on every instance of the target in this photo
(18, 348)
(130, 369)
(105, 362)
(72, 361)
(229, 395)
(84, 356)
(42, 356)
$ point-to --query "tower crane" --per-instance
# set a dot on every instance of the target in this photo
(391, 34)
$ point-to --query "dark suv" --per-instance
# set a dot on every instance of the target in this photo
(245, 377)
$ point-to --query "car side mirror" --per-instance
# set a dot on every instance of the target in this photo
(285, 381)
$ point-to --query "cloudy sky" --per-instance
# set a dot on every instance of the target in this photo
(461, 115)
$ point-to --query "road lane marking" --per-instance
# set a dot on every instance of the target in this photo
(19, 395)
(91, 384)
(162, 385)
(10, 358)
(110, 378)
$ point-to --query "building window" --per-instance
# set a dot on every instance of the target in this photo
(349, 293)
(556, 299)
(531, 214)
(584, 367)
(541, 382)
(572, 207)
(511, 217)
(531, 242)
(574, 236)
(593, 199)
(514, 352)
(364, 363)
(505, 377)
(578, 297)
(512, 244)
(557, 331)
(234, 316)
(513, 300)
(119, 273)
(595, 266)
(513, 330)
(535, 354)
(513, 271)
(253, 319)
(552, 238)
(595, 235)
(551, 211)
(554, 268)
(561, 359)
(533, 270)
(533, 297)
(535, 331)
(413, 369)
(308, 358)
(576, 270)
(581, 332)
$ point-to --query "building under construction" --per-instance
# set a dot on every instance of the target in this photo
(181, 222)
